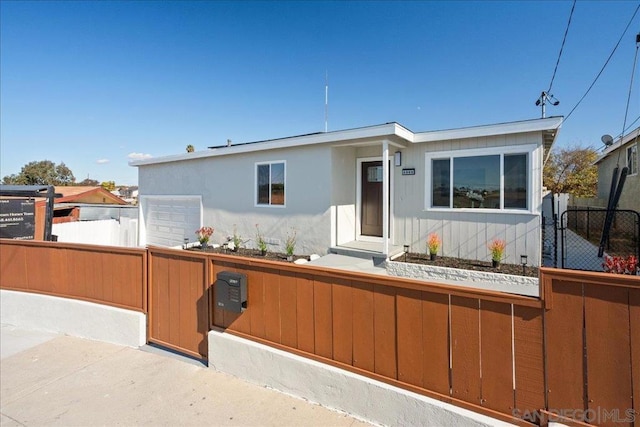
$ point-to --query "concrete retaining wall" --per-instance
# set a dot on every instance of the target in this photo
(73, 317)
(519, 285)
(359, 396)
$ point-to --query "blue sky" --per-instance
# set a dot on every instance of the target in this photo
(97, 84)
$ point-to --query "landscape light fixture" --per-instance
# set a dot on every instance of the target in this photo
(225, 246)
(186, 242)
(397, 158)
(523, 261)
(406, 251)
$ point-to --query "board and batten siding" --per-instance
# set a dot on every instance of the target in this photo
(227, 187)
(465, 234)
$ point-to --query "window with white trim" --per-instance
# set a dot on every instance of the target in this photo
(492, 181)
(632, 159)
(270, 183)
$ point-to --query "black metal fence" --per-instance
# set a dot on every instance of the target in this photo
(574, 239)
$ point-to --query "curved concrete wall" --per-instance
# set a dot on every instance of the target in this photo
(73, 317)
(359, 396)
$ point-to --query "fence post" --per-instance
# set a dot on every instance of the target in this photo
(588, 225)
(555, 240)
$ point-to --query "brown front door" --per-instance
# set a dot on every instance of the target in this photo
(371, 203)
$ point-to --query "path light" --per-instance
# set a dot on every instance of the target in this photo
(406, 250)
(225, 246)
(523, 261)
(186, 242)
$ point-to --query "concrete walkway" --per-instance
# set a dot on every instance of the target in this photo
(48, 379)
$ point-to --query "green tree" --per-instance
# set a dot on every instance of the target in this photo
(572, 171)
(190, 148)
(89, 182)
(108, 185)
(44, 172)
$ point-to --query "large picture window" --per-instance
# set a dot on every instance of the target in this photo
(493, 181)
(270, 184)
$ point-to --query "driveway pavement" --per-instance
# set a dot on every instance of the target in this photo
(48, 379)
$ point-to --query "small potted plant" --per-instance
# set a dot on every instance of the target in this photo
(497, 247)
(204, 234)
(433, 244)
(262, 244)
(290, 245)
(235, 241)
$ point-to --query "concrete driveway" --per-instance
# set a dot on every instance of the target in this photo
(48, 379)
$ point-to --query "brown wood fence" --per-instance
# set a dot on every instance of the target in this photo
(454, 344)
(592, 331)
(179, 300)
(573, 354)
(105, 275)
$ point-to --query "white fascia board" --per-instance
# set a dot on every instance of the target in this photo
(379, 131)
(537, 125)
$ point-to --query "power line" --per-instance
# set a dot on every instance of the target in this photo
(624, 131)
(564, 39)
(605, 64)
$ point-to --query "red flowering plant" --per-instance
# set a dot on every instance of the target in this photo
(497, 247)
(620, 265)
(204, 233)
(433, 243)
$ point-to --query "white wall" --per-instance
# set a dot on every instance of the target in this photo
(359, 396)
(108, 232)
(343, 194)
(73, 317)
(227, 187)
(465, 234)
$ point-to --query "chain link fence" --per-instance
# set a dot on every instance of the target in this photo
(578, 234)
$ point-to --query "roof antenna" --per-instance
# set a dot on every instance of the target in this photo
(326, 101)
(542, 101)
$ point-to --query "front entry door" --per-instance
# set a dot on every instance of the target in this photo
(371, 203)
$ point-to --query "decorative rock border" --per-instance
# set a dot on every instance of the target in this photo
(520, 285)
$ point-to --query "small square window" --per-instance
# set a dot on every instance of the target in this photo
(270, 184)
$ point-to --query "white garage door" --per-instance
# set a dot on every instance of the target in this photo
(169, 219)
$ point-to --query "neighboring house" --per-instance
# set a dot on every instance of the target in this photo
(378, 187)
(93, 215)
(622, 153)
(67, 208)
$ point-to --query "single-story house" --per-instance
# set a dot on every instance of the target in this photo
(70, 200)
(623, 152)
(374, 188)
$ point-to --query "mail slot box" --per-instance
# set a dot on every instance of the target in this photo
(231, 291)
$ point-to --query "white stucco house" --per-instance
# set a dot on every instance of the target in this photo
(373, 189)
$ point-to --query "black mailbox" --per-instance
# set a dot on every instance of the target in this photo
(231, 291)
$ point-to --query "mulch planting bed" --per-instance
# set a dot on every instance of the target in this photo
(466, 264)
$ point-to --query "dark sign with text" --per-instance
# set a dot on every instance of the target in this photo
(17, 219)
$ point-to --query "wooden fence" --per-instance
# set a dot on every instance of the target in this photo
(458, 345)
(179, 300)
(105, 275)
(592, 332)
(571, 355)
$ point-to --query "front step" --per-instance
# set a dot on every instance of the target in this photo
(378, 258)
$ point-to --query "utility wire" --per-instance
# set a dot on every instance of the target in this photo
(627, 128)
(605, 64)
(564, 39)
(633, 71)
